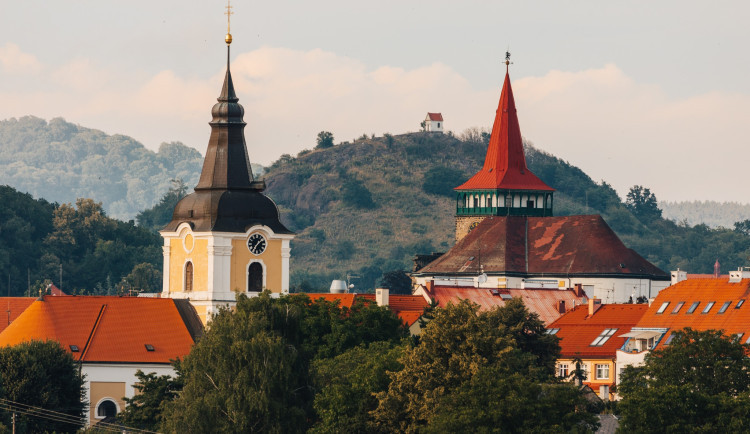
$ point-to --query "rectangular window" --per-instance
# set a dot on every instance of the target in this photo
(603, 337)
(602, 372)
(708, 307)
(663, 307)
(552, 331)
(740, 303)
(669, 339)
(724, 307)
(562, 370)
(678, 307)
(585, 369)
(693, 307)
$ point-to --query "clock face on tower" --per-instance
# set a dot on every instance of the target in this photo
(256, 243)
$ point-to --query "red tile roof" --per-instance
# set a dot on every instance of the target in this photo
(689, 291)
(505, 163)
(435, 117)
(105, 329)
(581, 245)
(541, 301)
(13, 307)
(407, 307)
(578, 330)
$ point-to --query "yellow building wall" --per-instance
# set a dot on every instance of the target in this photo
(591, 380)
(241, 257)
(99, 390)
(177, 258)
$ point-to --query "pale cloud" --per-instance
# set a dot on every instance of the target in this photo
(600, 119)
(14, 61)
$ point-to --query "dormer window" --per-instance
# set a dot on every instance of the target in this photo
(663, 307)
(603, 337)
(74, 349)
(149, 347)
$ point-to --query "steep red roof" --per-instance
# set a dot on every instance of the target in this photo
(541, 301)
(570, 245)
(105, 329)
(13, 307)
(505, 163)
(578, 330)
(733, 320)
(435, 117)
(407, 307)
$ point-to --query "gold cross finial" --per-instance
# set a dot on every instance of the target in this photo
(229, 14)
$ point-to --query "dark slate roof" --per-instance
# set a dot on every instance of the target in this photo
(227, 198)
(581, 245)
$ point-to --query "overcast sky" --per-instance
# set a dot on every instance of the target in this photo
(637, 92)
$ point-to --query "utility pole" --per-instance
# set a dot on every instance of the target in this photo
(60, 276)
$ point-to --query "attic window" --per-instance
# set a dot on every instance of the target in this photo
(669, 339)
(740, 303)
(693, 307)
(74, 348)
(708, 307)
(149, 347)
(738, 336)
(724, 307)
(604, 337)
(678, 307)
(552, 331)
(663, 307)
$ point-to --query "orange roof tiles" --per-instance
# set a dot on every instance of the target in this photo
(581, 245)
(541, 301)
(733, 320)
(105, 329)
(505, 163)
(13, 306)
(578, 330)
(407, 307)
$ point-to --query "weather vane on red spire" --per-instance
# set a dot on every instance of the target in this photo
(507, 61)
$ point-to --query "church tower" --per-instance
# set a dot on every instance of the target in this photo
(226, 236)
(504, 186)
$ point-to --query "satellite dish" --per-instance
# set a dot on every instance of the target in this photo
(482, 278)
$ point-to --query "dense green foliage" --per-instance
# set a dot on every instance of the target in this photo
(441, 180)
(160, 214)
(43, 375)
(98, 254)
(251, 370)
(643, 204)
(699, 383)
(145, 410)
(62, 162)
(325, 140)
(397, 281)
(465, 357)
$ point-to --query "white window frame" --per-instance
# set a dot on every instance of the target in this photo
(563, 370)
(601, 369)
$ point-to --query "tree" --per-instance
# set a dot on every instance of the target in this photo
(356, 194)
(397, 281)
(145, 409)
(144, 277)
(348, 383)
(455, 345)
(325, 140)
(698, 383)
(43, 375)
(643, 204)
(160, 214)
(441, 180)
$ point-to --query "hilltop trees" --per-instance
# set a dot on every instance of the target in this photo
(698, 383)
(325, 140)
(643, 204)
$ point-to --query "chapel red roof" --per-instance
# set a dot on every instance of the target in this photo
(105, 329)
(572, 245)
(578, 330)
(543, 302)
(505, 163)
(720, 291)
(435, 117)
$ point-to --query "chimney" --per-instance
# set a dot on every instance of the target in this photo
(678, 276)
(737, 276)
(561, 306)
(430, 286)
(381, 296)
(594, 305)
(579, 290)
(717, 269)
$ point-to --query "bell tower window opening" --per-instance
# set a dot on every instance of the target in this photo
(106, 408)
(255, 277)
(188, 276)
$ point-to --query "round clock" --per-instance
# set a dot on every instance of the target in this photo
(256, 243)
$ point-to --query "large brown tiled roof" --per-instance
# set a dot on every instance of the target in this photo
(732, 321)
(543, 302)
(105, 329)
(578, 330)
(581, 245)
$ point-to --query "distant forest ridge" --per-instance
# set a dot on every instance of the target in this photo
(711, 213)
(61, 162)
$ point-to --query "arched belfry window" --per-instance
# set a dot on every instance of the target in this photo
(255, 277)
(106, 408)
(188, 276)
